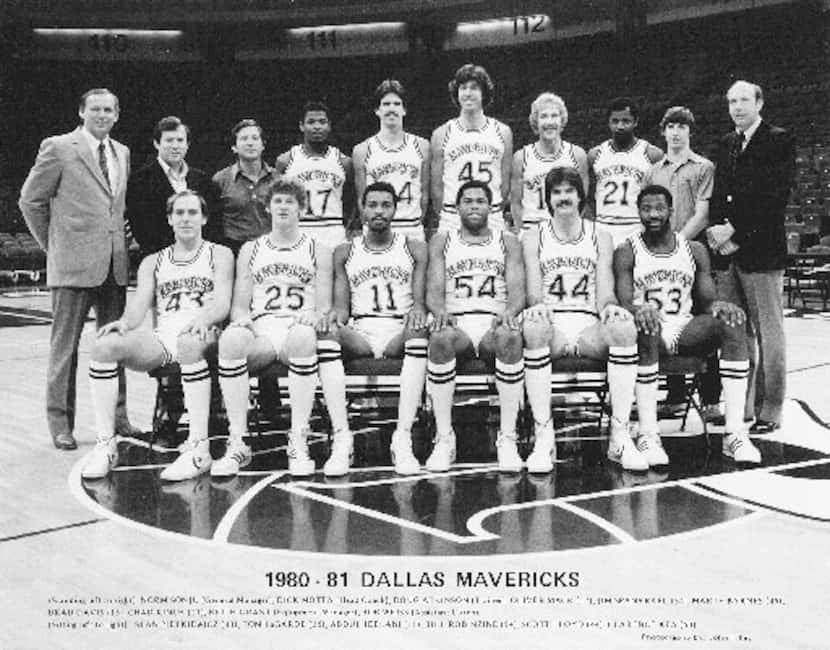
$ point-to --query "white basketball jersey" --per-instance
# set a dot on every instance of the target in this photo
(664, 279)
(475, 275)
(619, 179)
(569, 269)
(380, 281)
(401, 167)
(536, 167)
(323, 178)
(183, 287)
(473, 154)
(283, 277)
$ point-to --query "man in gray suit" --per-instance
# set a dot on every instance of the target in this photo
(73, 204)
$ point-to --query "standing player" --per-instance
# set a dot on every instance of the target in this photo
(573, 311)
(476, 295)
(188, 286)
(659, 274)
(282, 291)
(470, 147)
(394, 156)
(379, 281)
(531, 164)
(617, 168)
(326, 175)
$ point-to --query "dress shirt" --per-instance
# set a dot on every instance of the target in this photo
(178, 180)
(109, 155)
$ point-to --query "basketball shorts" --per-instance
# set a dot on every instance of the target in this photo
(670, 329)
(275, 329)
(475, 326)
(168, 337)
(378, 332)
(571, 326)
(619, 233)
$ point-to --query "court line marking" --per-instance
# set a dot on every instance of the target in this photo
(714, 493)
(228, 520)
(42, 319)
(473, 469)
(53, 529)
(485, 536)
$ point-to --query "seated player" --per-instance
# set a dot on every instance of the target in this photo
(379, 281)
(282, 292)
(573, 311)
(476, 294)
(660, 275)
(188, 287)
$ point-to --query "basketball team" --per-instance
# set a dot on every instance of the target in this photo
(606, 255)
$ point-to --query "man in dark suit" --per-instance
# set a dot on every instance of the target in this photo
(754, 174)
(73, 204)
(149, 188)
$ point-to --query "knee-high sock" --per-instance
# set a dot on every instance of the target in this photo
(103, 382)
(413, 375)
(302, 382)
(733, 376)
(622, 376)
(234, 382)
(441, 378)
(646, 391)
(537, 382)
(510, 386)
(196, 388)
(333, 380)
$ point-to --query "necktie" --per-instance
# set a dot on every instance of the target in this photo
(738, 147)
(102, 161)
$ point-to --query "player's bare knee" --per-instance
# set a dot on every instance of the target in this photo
(441, 345)
(108, 348)
(621, 333)
(733, 341)
(302, 341)
(648, 347)
(190, 349)
(234, 342)
(536, 334)
(509, 344)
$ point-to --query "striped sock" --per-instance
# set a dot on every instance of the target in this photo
(646, 391)
(622, 375)
(234, 382)
(441, 385)
(302, 382)
(413, 375)
(537, 382)
(333, 381)
(733, 377)
(103, 383)
(196, 388)
(510, 386)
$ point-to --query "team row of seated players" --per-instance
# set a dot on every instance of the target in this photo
(488, 295)
(425, 175)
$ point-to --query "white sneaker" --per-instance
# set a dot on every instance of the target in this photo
(543, 456)
(237, 455)
(401, 451)
(623, 451)
(507, 453)
(443, 453)
(651, 447)
(194, 460)
(739, 447)
(340, 458)
(101, 459)
(299, 462)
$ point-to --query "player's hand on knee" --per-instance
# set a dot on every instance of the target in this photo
(647, 320)
(539, 313)
(242, 322)
(416, 319)
(440, 321)
(729, 313)
(612, 312)
(309, 318)
(117, 326)
(327, 322)
(511, 321)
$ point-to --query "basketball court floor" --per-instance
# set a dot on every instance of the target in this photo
(705, 554)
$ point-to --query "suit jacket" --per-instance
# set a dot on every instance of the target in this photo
(751, 191)
(147, 192)
(74, 215)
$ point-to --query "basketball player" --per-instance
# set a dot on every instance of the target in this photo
(617, 168)
(325, 173)
(188, 287)
(394, 156)
(379, 281)
(470, 147)
(573, 311)
(531, 164)
(476, 295)
(659, 274)
(282, 291)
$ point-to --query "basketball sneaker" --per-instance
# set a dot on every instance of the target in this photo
(341, 454)
(507, 453)
(400, 450)
(194, 460)
(739, 448)
(543, 456)
(623, 451)
(651, 447)
(299, 462)
(237, 455)
(443, 453)
(101, 459)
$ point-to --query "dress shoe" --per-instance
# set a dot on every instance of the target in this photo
(762, 427)
(127, 430)
(65, 441)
